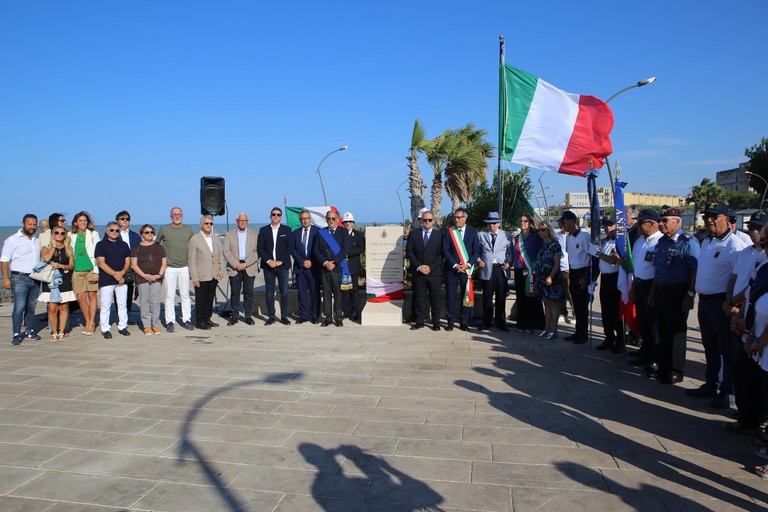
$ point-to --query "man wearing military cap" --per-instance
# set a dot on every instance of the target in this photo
(642, 254)
(580, 250)
(715, 266)
(675, 261)
(610, 295)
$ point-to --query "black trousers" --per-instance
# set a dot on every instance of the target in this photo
(496, 285)
(672, 327)
(205, 294)
(580, 298)
(351, 299)
(610, 300)
(530, 310)
(241, 281)
(646, 319)
(748, 382)
(332, 296)
(421, 286)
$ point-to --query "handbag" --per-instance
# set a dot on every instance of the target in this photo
(130, 276)
(44, 274)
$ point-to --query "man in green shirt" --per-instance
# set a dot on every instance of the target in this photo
(175, 239)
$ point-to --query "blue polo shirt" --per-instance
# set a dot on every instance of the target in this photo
(114, 254)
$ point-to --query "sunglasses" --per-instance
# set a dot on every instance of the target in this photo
(148, 232)
(276, 214)
(427, 220)
(331, 218)
(207, 223)
(459, 216)
(123, 218)
(57, 233)
(113, 230)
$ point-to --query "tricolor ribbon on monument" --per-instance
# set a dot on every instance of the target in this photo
(627, 307)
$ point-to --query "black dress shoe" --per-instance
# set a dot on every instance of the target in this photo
(314, 321)
(572, 337)
(131, 322)
(417, 326)
(203, 326)
(211, 324)
(502, 328)
(604, 346)
(301, 320)
(435, 328)
(705, 390)
(124, 332)
(485, 327)
(107, 335)
(326, 323)
(463, 327)
(270, 321)
(449, 327)
(671, 378)
(233, 321)
(285, 321)
(652, 370)
(339, 323)
(580, 341)
(248, 321)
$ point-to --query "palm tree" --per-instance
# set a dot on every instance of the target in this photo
(468, 164)
(416, 180)
(703, 195)
(439, 151)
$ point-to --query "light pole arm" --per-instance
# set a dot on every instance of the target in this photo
(319, 175)
(762, 201)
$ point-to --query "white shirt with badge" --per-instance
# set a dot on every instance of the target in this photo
(716, 263)
(609, 249)
(579, 249)
(642, 256)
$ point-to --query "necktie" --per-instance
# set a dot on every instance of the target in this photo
(426, 238)
(493, 240)
(304, 237)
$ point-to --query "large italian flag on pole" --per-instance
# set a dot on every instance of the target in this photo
(549, 129)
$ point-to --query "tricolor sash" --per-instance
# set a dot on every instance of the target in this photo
(458, 243)
(525, 260)
(346, 277)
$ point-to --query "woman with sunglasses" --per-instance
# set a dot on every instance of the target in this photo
(525, 247)
(549, 280)
(149, 262)
(85, 278)
(58, 253)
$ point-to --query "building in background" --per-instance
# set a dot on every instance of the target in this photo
(734, 180)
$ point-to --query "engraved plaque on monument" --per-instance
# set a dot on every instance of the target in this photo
(384, 254)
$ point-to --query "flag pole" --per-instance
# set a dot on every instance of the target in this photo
(502, 129)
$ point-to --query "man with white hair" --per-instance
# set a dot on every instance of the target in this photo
(350, 299)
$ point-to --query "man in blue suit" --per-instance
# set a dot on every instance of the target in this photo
(307, 271)
(425, 252)
(275, 246)
(461, 248)
(495, 255)
(330, 251)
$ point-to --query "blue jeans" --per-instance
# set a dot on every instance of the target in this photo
(25, 293)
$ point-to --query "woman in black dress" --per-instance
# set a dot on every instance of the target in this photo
(58, 294)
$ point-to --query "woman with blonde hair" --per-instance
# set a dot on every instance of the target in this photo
(549, 284)
(59, 255)
(85, 278)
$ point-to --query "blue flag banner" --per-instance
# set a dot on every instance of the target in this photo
(621, 219)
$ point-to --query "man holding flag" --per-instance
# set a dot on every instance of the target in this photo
(461, 248)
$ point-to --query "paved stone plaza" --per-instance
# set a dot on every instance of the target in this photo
(301, 418)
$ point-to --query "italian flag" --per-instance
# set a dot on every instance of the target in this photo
(546, 128)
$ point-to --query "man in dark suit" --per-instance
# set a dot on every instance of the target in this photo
(306, 270)
(351, 298)
(333, 260)
(425, 252)
(274, 247)
(458, 266)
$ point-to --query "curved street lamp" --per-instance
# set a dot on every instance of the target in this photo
(342, 148)
(762, 201)
(641, 83)
(402, 212)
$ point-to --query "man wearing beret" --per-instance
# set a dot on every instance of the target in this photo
(675, 262)
(714, 270)
(610, 295)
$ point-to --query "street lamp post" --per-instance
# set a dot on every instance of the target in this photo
(762, 201)
(641, 83)
(342, 148)
(402, 212)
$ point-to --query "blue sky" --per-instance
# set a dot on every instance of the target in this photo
(112, 105)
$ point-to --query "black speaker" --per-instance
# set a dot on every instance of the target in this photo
(212, 200)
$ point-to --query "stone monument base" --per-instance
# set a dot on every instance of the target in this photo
(383, 314)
